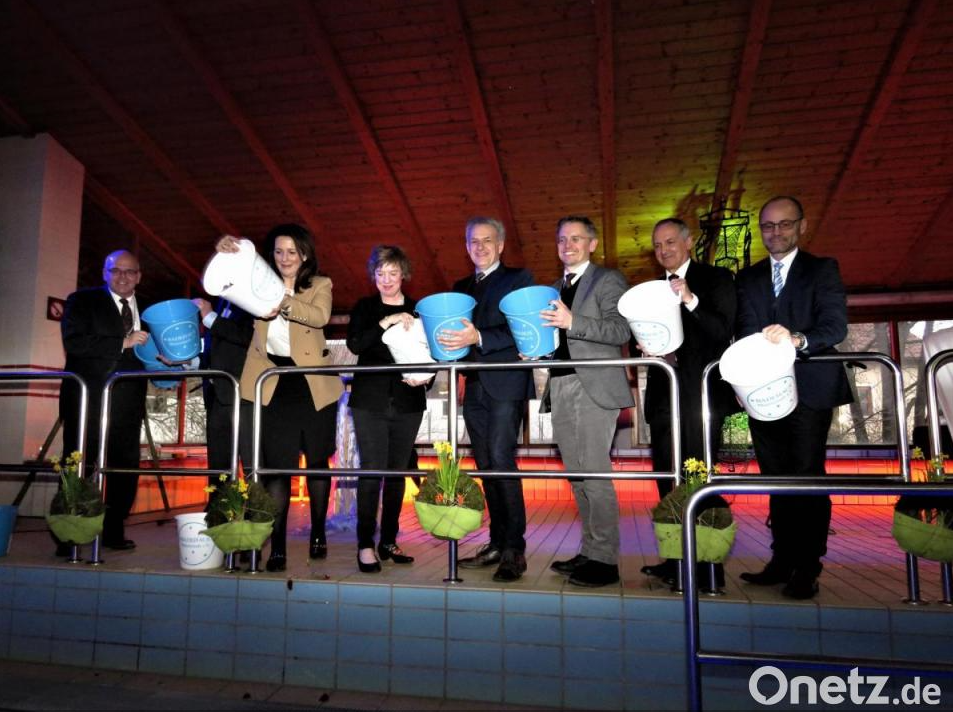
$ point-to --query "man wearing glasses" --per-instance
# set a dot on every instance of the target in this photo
(795, 295)
(100, 328)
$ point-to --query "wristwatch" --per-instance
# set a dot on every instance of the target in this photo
(800, 341)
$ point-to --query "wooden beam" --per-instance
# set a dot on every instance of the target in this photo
(905, 44)
(938, 224)
(321, 44)
(606, 62)
(471, 84)
(178, 177)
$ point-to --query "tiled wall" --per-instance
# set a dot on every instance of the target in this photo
(584, 651)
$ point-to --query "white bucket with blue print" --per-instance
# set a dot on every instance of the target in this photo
(245, 278)
(654, 313)
(196, 550)
(762, 374)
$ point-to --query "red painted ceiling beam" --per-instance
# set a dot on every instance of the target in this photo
(606, 81)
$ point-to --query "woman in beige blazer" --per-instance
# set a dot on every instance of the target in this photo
(299, 413)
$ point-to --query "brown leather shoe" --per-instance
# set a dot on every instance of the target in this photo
(512, 566)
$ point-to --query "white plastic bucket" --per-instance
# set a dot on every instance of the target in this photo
(196, 551)
(654, 314)
(932, 345)
(244, 278)
(409, 346)
(762, 374)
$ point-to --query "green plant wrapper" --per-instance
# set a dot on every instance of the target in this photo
(712, 545)
(923, 539)
(448, 522)
(75, 529)
(239, 536)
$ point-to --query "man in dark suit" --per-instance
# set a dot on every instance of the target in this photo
(797, 296)
(494, 401)
(708, 308)
(100, 327)
(586, 402)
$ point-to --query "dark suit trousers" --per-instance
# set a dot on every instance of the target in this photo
(796, 445)
(385, 440)
(494, 428)
(218, 435)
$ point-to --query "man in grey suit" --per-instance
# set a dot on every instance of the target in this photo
(586, 402)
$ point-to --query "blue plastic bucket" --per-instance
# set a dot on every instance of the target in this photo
(147, 353)
(8, 520)
(175, 327)
(445, 311)
(521, 308)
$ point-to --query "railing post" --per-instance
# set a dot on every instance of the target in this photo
(453, 545)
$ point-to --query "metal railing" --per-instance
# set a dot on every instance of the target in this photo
(696, 657)
(461, 367)
(102, 469)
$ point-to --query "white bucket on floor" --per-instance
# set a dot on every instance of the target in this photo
(654, 313)
(932, 345)
(762, 374)
(245, 278)
(196, 551)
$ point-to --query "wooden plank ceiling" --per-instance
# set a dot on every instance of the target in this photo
(394, 121)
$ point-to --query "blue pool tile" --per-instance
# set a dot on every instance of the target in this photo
(34, 575)
(463, 625)
(209, 609)
(421, 622)
(32, 624)
(164, 634)
(364, 619)
(77, 578)
(7, 574)
(120, 603)
(311, 616)
(921, 621)
(116, 657)
(592, 633)
(261, 590)
(416, 681)
(785, 615)
(211, 636)
(166, 583)
(857, 619)
(658, 697)
(486, 657)
(6, 595)
(117, 630)
(416, 651)
(538, 603)
(72, 652)
(31, 649)
(76, 600)
(592, 695)
(33, 597)
(165, 607)
(470, 685)
(314, 645)
(116, 581)
(725, 613)
(725, 637)
(259, 668)
(932, 648)
(72, 627)
(309, 673)
(218, 586)
(786, 640)
(654, 609)
(592, 606)
(586, 663)
(533, 660)
(264, 613)
(363, 648)
(364, 594)
(162, 661)
(260, 641)
(363, 677)
(314, 592)
(532, 690)
(413, 597)
(200, 663)
(526, 628)
(663, 636)
(651, 668)
(854, 644)
(463, 600)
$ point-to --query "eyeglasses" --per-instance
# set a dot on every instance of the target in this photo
(127, 273)
(780, 225)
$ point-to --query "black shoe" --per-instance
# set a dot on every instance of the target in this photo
(64, 549)
(511, 568)
(567, 567)
(393, 552)
(801, 586)
(120, 544)
(667, 569)
(371, 568)
(318, 550)
(773, 573)
(593, 574)
(276, 562)
(487, 556)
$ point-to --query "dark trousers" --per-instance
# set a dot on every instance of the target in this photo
(796, 445)
(218, 435)
(385, 440)
(494, 427)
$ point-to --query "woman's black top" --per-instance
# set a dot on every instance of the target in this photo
(377, 391)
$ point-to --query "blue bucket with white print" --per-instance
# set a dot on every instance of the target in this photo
(445, 311)
(147, 353)
(174, 325)
(534, 339)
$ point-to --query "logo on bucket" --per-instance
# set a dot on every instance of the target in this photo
(195, 548)
(654, 336)
(263, 283)
(775, 400)
(453, 324)
(180, 340)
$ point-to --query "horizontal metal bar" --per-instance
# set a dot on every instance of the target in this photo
(537, 474)
(731, 658)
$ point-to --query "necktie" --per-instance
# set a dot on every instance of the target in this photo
(127, 321)
(776, 279)
(567, 283)
(480, 276)
(672, 277)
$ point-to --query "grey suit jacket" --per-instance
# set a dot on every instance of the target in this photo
(599, 331)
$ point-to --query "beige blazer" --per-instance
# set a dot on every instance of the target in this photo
(307, 314)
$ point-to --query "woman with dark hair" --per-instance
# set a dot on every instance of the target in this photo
(387, 409)
(299, 412)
